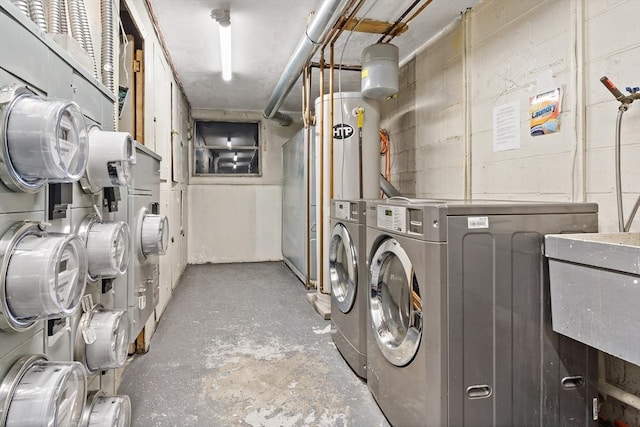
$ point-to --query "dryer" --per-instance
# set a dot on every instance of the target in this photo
(348, 275)
(460, 318)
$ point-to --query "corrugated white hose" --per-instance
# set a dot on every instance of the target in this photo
(38, 13)
(107, 54)
(74, 21)
(23, 5)
(64, 29)
(86, 35)
(54, 15)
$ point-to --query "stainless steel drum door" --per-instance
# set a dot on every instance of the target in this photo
(396, 304)
(343, 268)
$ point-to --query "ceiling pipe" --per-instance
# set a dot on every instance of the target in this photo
(323, 21)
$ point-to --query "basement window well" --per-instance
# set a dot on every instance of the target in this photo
(226, 148)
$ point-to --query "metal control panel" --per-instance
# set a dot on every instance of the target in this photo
(392, 218)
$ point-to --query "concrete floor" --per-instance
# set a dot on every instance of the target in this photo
(239, 345)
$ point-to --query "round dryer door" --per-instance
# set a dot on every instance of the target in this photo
(343, 268)
(396, 304)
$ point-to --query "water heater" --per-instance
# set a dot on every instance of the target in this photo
(347, 145)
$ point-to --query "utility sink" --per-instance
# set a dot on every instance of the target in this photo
(595, 290)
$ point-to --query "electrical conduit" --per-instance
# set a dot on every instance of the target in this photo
(37, 13)
(107, 53)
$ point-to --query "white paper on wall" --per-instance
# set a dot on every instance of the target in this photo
(506, 127)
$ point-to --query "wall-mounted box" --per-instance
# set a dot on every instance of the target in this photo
(595, 290)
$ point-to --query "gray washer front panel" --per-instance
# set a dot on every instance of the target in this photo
(349, 330)
(488, 355)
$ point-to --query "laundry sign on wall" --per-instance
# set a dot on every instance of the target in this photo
(544, 112)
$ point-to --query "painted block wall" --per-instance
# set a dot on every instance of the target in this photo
(238, 219)
(505, 51)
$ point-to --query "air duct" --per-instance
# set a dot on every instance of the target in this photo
(387, 188)
(323, 21)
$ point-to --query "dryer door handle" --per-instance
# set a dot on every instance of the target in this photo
(480, 391)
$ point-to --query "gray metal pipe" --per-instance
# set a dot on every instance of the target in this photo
(387, 188)
(323, 21)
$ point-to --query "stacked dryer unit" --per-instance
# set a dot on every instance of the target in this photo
(460, 317)
(349, 285)
(46, 249)
(140, 207)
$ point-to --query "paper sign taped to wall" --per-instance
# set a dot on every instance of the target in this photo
(506, 127)
(544, 112)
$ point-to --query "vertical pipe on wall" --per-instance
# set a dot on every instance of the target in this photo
(320, 178)
(306, 94)
(466, 102)
(579, 190)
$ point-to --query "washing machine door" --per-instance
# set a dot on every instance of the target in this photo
(343, 268)
(396, 304)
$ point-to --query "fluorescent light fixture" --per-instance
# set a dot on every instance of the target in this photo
(228, 142)
(223, 18)
(234, 165)
(235, 156)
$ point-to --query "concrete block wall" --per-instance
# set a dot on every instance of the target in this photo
(398, 116)
(505, 51)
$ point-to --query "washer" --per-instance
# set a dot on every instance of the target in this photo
(460, 317)
(348, 274)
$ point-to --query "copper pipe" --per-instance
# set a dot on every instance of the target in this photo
(331, 121)
(320, 177)
(307, 126)
(342, 67)
(340, 24)
(416, 13)
(351, 16)
(398, 21)
(333, 35)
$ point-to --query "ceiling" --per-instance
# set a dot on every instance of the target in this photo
(264, 35)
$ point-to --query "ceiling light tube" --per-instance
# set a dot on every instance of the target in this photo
(235, 156)
(223, 19)
(225, 51)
